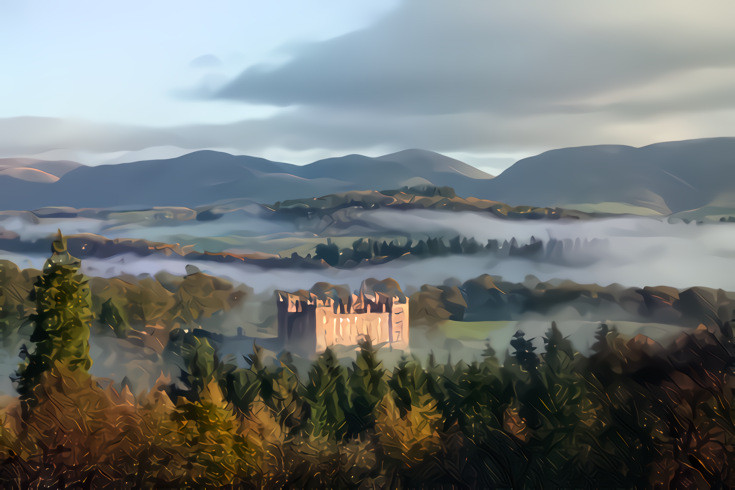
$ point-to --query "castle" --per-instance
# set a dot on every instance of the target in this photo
(311, 322)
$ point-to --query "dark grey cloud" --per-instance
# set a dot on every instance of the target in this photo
(508, 58)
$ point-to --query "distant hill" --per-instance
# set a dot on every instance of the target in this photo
(205, 177)
(693, 178)
(33, 170)
(442, 198)
(665, 177)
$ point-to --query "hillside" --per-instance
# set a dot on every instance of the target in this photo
(34, 170)
(205, 177)
(693, 177)
(666, 177)
(421, 197)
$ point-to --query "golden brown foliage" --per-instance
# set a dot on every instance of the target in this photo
(412, 438)
(87, 432)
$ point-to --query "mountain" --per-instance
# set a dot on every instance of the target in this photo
(423, 160)
(33, 170)
(665, 177)
(205, 177)
(694, 177)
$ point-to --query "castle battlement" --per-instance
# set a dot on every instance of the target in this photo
(307, 321)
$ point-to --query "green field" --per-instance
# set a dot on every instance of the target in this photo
(472, 330)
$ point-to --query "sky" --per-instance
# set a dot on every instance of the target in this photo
(487, 82)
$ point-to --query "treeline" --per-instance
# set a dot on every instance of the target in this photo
(630, 415)
(488, 298)
(377, 251)
(124, 306)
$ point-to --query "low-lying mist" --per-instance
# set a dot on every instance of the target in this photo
(637, 251)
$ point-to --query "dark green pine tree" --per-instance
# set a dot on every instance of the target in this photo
(326, 394)
(367, 382)
(524, 351)
(560, 352)
(565, 414)
(288, 402)
(263, 373)
(477, 398)
(61, 321)
(201, 364)
(408, 383)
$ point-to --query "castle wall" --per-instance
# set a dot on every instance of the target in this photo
(349, 328)
(310, 324)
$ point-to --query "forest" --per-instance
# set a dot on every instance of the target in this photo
(630, 414)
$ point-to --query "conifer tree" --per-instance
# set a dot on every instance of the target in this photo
(564, 410)
(288, 402)
(245, 385)
(201, 364)
(164, 443)
(408, 384)
(435, 383)
(408, 421)
(61, 321)
(559, 350)
(217, 450)
(524, 351)
(367, 386)
(326, 393)
(412, 439)
(263, 375)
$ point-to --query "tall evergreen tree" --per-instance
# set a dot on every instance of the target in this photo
(565, 413)
(524, 351)
(289, 405)
(262, 374)
(559, 350)
(408, 383)
(367, 382)
(61, 321)
(327, 395)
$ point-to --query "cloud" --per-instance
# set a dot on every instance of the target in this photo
(480, 78)
(505, 58)
(31, 135)
(307, 134)
(205, 61)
